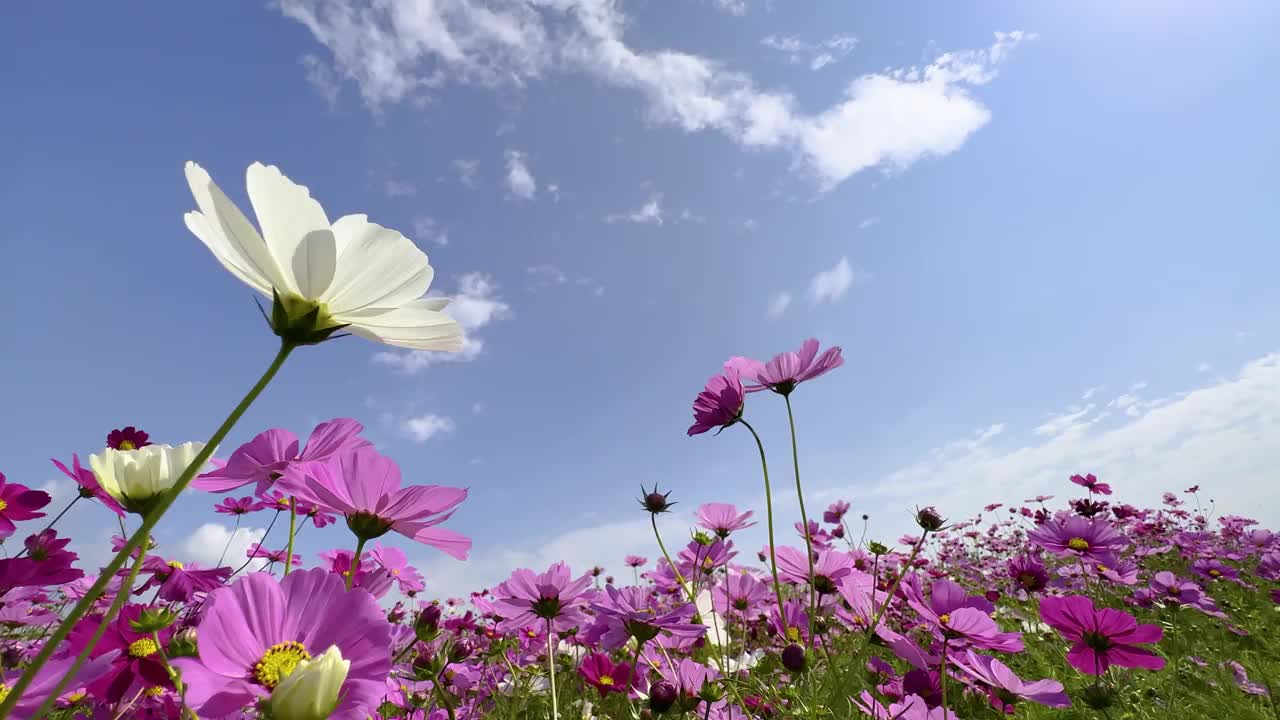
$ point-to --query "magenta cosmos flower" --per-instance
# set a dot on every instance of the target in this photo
(598, 671)
(1101, 638)
(48, 678)
(636, 561)
(1090, 483)
(364, 486)
(137, 656)
(396, 563)
(235, 506)
(127, 438)
(179, 582)
(629, 612)
(257, 631)
(527, 598)
(1076, 536)
(18, 502)
(89, 485)
(273, 455)
(1005, 688)
(786, 370)
(835, 512)
(719, 405)
(723, 518)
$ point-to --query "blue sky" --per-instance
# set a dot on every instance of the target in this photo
(1044, 236)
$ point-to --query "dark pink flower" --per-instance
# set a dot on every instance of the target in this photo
(1005, 688)
(235, 506)
(1091, 483)
(364, 486)
(276, 556)
(1214, 569)
(598, 671)
(719, 405)
(786, 370)
(1029, 573)
(636, 561)
(136, 654)
(552, 597)
(127, 438)
(18, 502)
(835, 512)
(178, 582)
(394, 561)
(1077, 536)
(628, 612)
(1101, 638)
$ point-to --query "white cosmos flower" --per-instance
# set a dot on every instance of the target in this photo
(355, 272)
(310, 692)
(135, 478)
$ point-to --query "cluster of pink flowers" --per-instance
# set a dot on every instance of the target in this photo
(939, 625)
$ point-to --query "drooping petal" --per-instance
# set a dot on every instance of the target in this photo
(416, 325)
(230, 236)
(377, 268)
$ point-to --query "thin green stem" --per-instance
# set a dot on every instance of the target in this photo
(804, 520)
(141, 534)
(768, 506)
(54, 521)
(175, 676)
(875, 619)
(945, 712)
(227, 547)
(293, 527)
(653, 519)
(355, 562)
(551, 671)
(116, 605)
(261, 543)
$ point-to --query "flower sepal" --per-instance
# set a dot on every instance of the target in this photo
(299, 321)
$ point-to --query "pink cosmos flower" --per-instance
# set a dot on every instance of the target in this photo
(364, 486)
(1269, 566)
(1005, 688)
(50, 675)
(48, 562)
(18, 502)
(136, 655)
(1214, 569)
(235, 506)
(369, 576)
(273, 455)
(598, 671)
(1029, 573)
(256, 631)
(912, 707)
(719, 405)
(276, 556)
(1091, 484)
(723, 518)
(1076, 536)
(628, 612)
(636, 561)
(394, 561)
(786, 370)
(1101, 638)
(741, 592)
(829, 569)
(88, 484)
(835, 513)
(178, 582)
(553, 597)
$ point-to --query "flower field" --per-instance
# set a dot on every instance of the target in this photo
(1076, 606)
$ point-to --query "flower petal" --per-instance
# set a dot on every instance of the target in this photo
(229, 235)
(294, 227)
(414, 325)
(377, 267)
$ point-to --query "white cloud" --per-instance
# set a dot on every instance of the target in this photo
(466, 170)
(206, 544)
(547, 275)
(778, 304)
(1060, 423)
(426, 229)
(422, 428)
(1219, 435)
(818, 55)
(831, 285)
(395, 51)
(750, 224)
(1090, 392)
(1203, 367)
(553, 189)
(321, 78)
(477, 408)
(400, 188)
(649, 213)
(474, 306)
(519, 180)
(868, 223)
(733, 7)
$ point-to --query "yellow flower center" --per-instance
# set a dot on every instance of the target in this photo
(1078, 544)
(4, 692)
(127, 445)
(76, 697)
(145, 647)
(154, 691)
(1102, 568)
(176, 564)
(531, 633)
(1215, 573)
(606, 680)
(944, 618)
(395, 571)
(793, 634)
(278, 662)
(3, 505)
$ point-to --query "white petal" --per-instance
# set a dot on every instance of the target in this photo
(414, 325)
(227, 253)
(288, 214)
(377, 268)
(240, 243)
(315, 262)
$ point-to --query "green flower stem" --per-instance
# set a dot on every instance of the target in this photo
(875, 620)
(175, 676)
(116, 605)
(355, 562)
(804, 520)
(653, 519)
(227, 547)
(293, 526)
(946, 714)
(140, 536)
(551, 671)
(768, 505)
(54, 521)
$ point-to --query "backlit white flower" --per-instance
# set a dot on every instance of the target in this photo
(136, 478)
(324, 275)
(310, 692)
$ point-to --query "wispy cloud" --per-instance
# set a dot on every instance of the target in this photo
(475, 306)
(892, 118)
(547, 275)
(648, 213)
(205, 545)
(400, 188)
(467, 171)
(868, 223)
(818, 54)
(421, 428)
(426, 229)
(778, 304)
(519, 179)
(830, 285)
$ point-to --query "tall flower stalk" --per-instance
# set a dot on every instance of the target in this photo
(141, 534)
(768, 507)
(804, 522)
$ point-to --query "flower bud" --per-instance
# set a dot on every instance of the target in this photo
(311, 691)
(654, 501)
(793, 658)
(929, 520)
(428, 622)
(139, 478)
(877, 549)
(662, 695)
